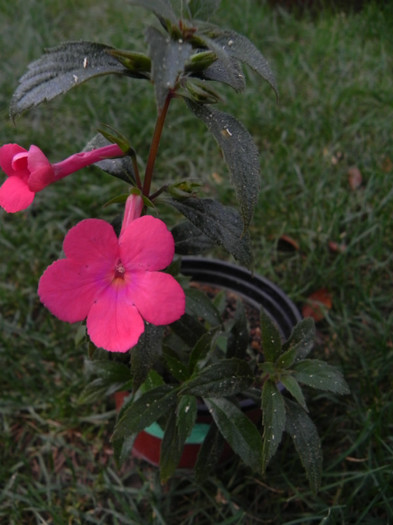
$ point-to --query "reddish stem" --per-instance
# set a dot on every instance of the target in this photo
(155, 144)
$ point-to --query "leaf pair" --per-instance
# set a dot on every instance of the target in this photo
(286, 366)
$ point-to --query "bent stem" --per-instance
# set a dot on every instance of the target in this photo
(155, 144)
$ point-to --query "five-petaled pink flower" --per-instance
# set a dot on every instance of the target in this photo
(115, 282)
(29, 171)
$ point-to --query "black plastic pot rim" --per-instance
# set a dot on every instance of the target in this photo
(255, 289)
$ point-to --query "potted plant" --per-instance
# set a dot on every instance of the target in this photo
(178, 350)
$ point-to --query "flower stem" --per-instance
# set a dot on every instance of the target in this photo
(155, 144)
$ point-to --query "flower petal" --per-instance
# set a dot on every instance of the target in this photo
(146, 244)
(92, 242)
(158, 296)
(113, 323)
(15, 195)
(7, 153)
(68, 290)
(41, 171)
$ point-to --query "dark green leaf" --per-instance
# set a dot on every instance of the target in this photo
(306, 440)
(199, 304)
(227, 72)
(202, 348)
(177, 429)
(176, 367)
(225, 69)
(302, 338)
(240, 47)
(145, 410)
(189, 240)
(169, 58)
(146, 353)
(273, 413)
(294, 389)
(320, 375)
(186, 413)
(220, 223)
(153, 380)
(60, 69)
(171, 448)
(240, 153)
(238, 336)
(240, 433)
(286, 359)
(224, 378)
(270, 337)
(188, 329)
(122, 448)
(209, 454)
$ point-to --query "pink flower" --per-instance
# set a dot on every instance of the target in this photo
(114, 282)
(30, 171)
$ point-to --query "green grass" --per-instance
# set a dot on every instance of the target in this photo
(335, 111)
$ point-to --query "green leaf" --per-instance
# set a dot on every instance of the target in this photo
(142, 412)
(198, 304)
(294, 389)
(169, 58)
(112, 376)
(239, 432)
(226, 72)
(302, 338)
(238, 338)
(273, 413)
(122, 448)
(177, 429)
(223, 378)
(209, 454)
(186, 413)
(176, 367)
(225, 69)
(240, 154)
(286, 359)
(306, 440)
(60, 69)
(172, 446)
(146, 353)
(201, 349)
(189, 240)
(220, 223)
(320, 375)
(270, 337)
(188, 329)
(240, 47)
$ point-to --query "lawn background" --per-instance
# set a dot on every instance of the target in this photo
(334, 72)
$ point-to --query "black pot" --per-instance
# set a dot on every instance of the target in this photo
(256, 290)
